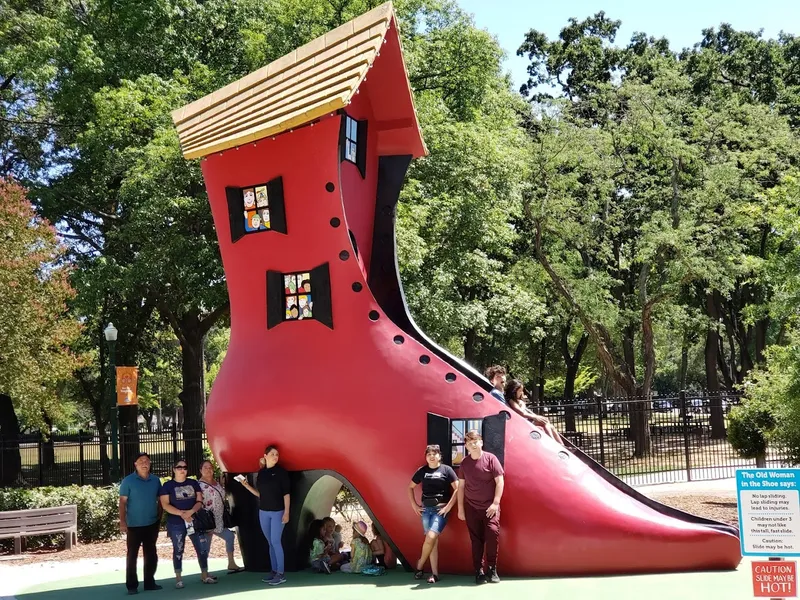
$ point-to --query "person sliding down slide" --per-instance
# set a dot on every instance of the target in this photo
(515, 396)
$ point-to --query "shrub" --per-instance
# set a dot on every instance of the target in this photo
(750, 427)
(98, 513)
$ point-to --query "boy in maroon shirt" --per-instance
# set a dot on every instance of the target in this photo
(479, 493)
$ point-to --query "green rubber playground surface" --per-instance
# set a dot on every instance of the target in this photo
(734, 585)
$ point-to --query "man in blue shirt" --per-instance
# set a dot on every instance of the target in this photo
(140, 518)
(497, 377)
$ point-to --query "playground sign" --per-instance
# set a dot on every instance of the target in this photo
(769, 511)
(774, 579)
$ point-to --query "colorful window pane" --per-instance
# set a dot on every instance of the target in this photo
(351, 140)
(297, 296)
(256, 208)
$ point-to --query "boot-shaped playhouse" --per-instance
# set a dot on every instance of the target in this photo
(303, 161)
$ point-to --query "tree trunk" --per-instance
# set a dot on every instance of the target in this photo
(470, 347)
(542, 366)
(105, 461)
(712, 381)
(191, 396)
(684, 366)
(572, 363)
(128, 437)
(761, 328)
(190, 329)
(48, 447)
(534, 349)
(10, 459)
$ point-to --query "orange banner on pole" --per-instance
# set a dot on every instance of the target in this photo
(127, 378)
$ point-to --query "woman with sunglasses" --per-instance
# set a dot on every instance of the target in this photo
(439, 486)
(181, 498)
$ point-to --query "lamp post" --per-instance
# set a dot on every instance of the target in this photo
(111, 337)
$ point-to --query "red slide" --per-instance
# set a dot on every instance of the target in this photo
(325, 362)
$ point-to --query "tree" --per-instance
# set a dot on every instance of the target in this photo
(35, 330)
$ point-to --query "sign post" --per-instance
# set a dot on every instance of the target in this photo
(769, 526)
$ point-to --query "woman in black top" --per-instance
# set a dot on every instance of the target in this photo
(272, 489)
(439, 485)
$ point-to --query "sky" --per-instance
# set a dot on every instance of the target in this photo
(680, 21)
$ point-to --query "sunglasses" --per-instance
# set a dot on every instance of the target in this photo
(184, 467)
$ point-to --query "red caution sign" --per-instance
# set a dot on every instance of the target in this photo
(775, 579)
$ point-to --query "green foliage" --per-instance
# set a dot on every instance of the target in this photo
(98, 510)
(750, 427)
(776, 389)
(35, 329)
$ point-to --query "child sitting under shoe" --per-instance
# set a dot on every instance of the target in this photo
(381, 550)
(318, 557)
(360, 552)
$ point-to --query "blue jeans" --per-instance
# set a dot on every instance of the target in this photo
(200, 542)
(272, 527)
(432, 520)
(226, 534)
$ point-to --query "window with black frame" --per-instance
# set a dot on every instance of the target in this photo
(351, 140)
(299, 296)
(459, 429)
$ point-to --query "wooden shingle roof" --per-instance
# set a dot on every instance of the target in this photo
(313, 80)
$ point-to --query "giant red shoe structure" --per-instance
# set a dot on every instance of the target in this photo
(303, 161)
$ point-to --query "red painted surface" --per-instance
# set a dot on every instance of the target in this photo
(351, 400)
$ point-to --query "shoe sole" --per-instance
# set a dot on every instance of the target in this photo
(277, 582)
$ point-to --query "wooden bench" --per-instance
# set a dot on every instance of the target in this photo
(18, 524)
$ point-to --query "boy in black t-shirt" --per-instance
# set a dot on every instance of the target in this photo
(439, 483)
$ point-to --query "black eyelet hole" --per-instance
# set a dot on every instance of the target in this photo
(563, 455)
(477, 396)
(506, 414)
(357, 287)
(335, 222)
(450, 377)
(536, 435)
(424, 359)
(329, 186)
(373, 315)
(344, 255)
(399, 339)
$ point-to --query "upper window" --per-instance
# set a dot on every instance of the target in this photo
(297, 296)
(255, 202)
(351, 140)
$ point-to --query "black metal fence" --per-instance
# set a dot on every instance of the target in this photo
(685, 441)
(685, 436)
(74, 457)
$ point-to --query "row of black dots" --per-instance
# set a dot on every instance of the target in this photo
(374, 315)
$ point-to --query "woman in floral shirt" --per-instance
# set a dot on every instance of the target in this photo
(214, 500)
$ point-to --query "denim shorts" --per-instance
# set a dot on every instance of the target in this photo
(432, 520)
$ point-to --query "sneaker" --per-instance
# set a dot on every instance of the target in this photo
(480, 577)
(278, 579)
(153, 588)
(327, 567)
(270, 577)
(492, 576)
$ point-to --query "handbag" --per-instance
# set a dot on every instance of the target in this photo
(227, 520)
(203, 520)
